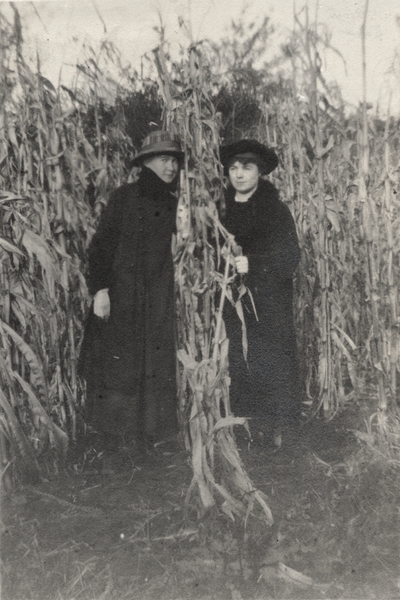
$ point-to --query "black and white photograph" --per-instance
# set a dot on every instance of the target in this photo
(199, 311)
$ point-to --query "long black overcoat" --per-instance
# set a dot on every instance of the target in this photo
(132, 355)
(268, 387)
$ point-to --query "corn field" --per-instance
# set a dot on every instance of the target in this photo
(47, 164)
(341, 177)
(339, 174)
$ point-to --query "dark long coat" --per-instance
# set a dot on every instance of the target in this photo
(129, 361)
(268, 388)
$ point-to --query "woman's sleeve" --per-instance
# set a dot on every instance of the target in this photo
(104, 244)
(277, 253)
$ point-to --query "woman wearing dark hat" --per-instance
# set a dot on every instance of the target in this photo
(267, 388)
(127, 355)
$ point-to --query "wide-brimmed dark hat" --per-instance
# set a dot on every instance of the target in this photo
(159, 142)
(250, 149)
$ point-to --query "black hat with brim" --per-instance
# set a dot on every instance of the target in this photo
(250, 149)
(159, 142)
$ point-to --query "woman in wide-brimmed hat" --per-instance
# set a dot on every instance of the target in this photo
(267, 388)
(127, 356)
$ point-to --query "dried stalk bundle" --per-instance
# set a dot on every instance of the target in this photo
(206, 420)
(369, 217)
(46, 224)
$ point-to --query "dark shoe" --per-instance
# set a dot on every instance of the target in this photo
(270, 440)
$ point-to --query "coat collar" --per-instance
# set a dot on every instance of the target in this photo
(263, 193)
(152, 186)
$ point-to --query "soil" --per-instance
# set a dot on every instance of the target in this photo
(123, 533)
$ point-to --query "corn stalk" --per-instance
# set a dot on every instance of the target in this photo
(391, 276)
(204, 275)
(369, 214)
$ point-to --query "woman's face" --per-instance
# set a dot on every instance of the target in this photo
(244, 177)
(163, 165)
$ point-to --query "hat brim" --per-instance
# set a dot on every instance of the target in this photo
(142, 156)
(250, 147)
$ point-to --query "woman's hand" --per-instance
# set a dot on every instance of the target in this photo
(101, 304)
(242, 264)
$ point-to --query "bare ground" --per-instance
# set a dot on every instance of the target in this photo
(90, 535)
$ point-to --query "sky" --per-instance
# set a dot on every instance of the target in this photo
(51, 26)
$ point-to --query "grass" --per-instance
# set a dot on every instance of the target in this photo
(91, 536)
